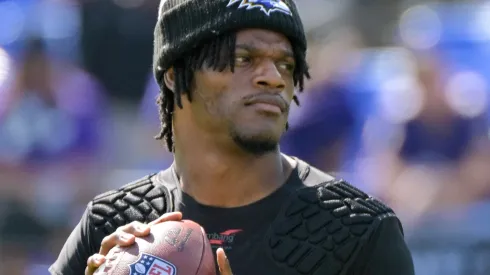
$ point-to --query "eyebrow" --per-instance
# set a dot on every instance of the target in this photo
(253, 49)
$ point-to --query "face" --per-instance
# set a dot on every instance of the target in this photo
(251, 105)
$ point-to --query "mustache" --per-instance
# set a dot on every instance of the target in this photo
(272, 99)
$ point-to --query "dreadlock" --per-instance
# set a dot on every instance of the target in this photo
(217, 54)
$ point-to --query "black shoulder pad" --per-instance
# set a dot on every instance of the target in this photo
(141, 200)
(322, 228)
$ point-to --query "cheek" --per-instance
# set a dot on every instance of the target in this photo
(216, 91)
(224, 107)
(290, 94)
(215, 103)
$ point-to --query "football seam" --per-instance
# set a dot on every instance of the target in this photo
(203, 241)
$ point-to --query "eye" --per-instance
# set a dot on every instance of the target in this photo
(287, 66)
(242, 60)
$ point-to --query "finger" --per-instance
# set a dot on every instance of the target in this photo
(124, 236)
(93, 263)
(136, 228)
(223, 263)
(119, 237)
(172, 216)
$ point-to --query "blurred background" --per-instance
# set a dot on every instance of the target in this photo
(398, 105)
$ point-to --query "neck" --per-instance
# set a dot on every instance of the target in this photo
(214, 176)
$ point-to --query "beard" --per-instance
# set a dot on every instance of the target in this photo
(256, 145)
(257, 142)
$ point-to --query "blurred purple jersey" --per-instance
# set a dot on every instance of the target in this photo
(32, 129)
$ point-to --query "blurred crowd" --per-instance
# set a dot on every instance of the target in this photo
(398, 105)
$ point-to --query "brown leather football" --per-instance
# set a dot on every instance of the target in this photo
(172, 248)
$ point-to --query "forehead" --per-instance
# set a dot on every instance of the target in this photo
(263, 39)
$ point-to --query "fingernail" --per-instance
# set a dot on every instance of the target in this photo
(142, 227)
(99, 258)
(125, 237)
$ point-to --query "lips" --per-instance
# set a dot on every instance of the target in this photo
(271, 100)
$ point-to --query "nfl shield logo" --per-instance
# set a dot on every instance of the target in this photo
(150, 265)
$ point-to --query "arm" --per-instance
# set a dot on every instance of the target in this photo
(79, 246)
(386, 252)
(86, 248)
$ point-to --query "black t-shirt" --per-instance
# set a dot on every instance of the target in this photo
(312, 224)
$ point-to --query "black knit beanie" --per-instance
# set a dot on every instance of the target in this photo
(183, 24)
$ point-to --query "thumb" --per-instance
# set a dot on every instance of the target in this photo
(223, 263)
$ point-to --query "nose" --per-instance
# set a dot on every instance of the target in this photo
(269, 78)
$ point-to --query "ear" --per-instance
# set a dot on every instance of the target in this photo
(169, 79)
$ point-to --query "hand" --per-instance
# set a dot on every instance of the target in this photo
(223, 263)
(125, 236)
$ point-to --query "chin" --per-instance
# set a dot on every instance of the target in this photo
(256, 143)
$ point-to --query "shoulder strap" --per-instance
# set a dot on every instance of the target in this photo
(142, 200)
(321, 229)
(310, 175)
(168, 179)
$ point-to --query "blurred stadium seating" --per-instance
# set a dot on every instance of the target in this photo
(398, 105)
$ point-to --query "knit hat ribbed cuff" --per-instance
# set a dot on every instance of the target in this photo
(183, 24)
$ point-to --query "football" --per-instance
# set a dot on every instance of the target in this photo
(171, 248)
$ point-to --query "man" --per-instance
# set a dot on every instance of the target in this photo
(228, 72)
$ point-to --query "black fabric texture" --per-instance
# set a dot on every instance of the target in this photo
(79, 246)
(313, 225)
(141, 200)
(184, 24)
(322, 229)
(387, 253)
